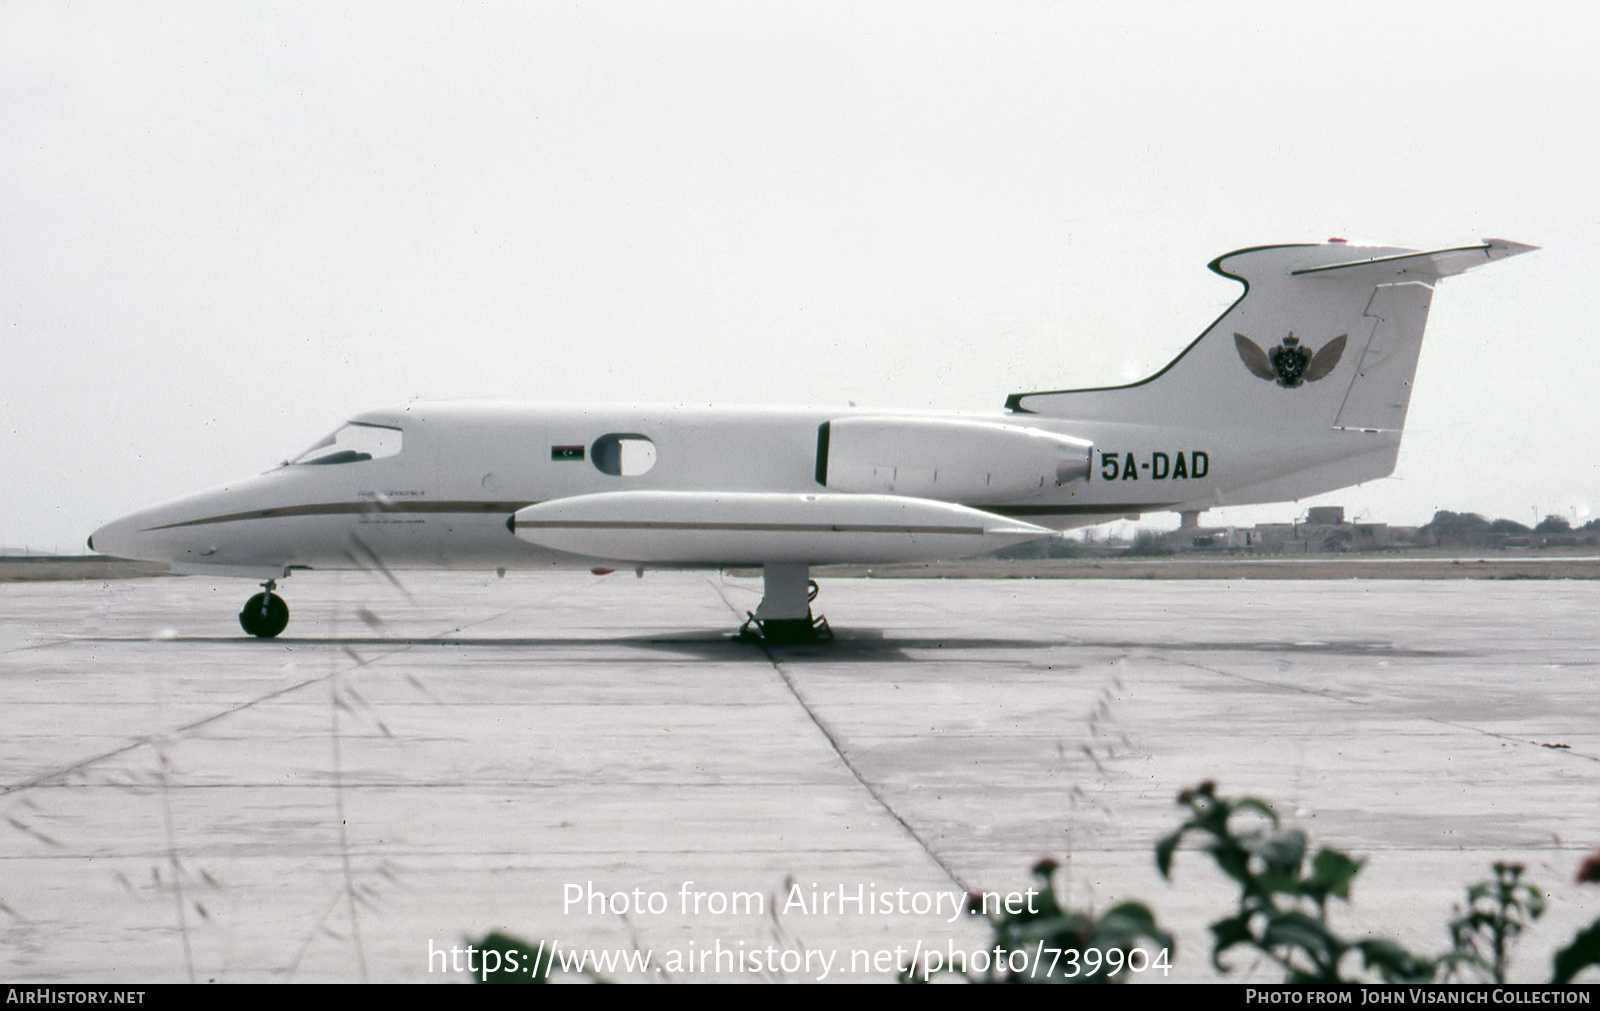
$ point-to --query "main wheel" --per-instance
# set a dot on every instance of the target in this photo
(264, 615)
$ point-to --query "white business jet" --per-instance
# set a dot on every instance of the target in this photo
(1300, 387)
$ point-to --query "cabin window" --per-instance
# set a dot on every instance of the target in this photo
(353, 443)
(623, 455)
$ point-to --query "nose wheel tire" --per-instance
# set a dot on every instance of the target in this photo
(264, 615)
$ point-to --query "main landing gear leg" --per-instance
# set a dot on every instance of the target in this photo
(784, 616)
(265, 614)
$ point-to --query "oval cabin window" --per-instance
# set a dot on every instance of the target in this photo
(623, 455)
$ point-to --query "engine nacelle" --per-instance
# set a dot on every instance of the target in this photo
(760, 528)
(946, 459)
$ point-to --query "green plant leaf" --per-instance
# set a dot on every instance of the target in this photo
(1583, 952)
(1332, 872)
(1129, 922)
(1252, 804)
(1164, 851)
(1227, 933)
(1278, 883)
(1297, 930)
(511, 951)
(1283, 851)
(1394, 963)
(1232, 861)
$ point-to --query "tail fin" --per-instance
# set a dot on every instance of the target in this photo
(1324, 337)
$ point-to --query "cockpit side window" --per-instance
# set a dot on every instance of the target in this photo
(353, 443)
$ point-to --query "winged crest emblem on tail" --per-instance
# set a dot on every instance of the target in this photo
(1291, 363)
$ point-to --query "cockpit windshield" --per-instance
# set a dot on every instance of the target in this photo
(353, 443)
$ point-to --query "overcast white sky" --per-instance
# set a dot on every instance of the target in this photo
(225, 227)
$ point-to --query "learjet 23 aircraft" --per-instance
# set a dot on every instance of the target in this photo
(1300, 387)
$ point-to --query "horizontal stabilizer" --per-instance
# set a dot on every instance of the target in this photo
(1430, 265)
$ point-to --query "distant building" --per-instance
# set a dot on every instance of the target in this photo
(1373, 535)
(1325, 531)
(1273, 537)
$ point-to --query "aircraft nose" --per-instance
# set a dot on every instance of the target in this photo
(100, 540)
(118, 538)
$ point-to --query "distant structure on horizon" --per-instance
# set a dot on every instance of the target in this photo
(1324, 530)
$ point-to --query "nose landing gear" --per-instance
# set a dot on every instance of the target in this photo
(265, 614)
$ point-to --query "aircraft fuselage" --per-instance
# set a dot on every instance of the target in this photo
(462, 470)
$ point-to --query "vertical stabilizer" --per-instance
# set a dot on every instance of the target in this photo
(1324, 337)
